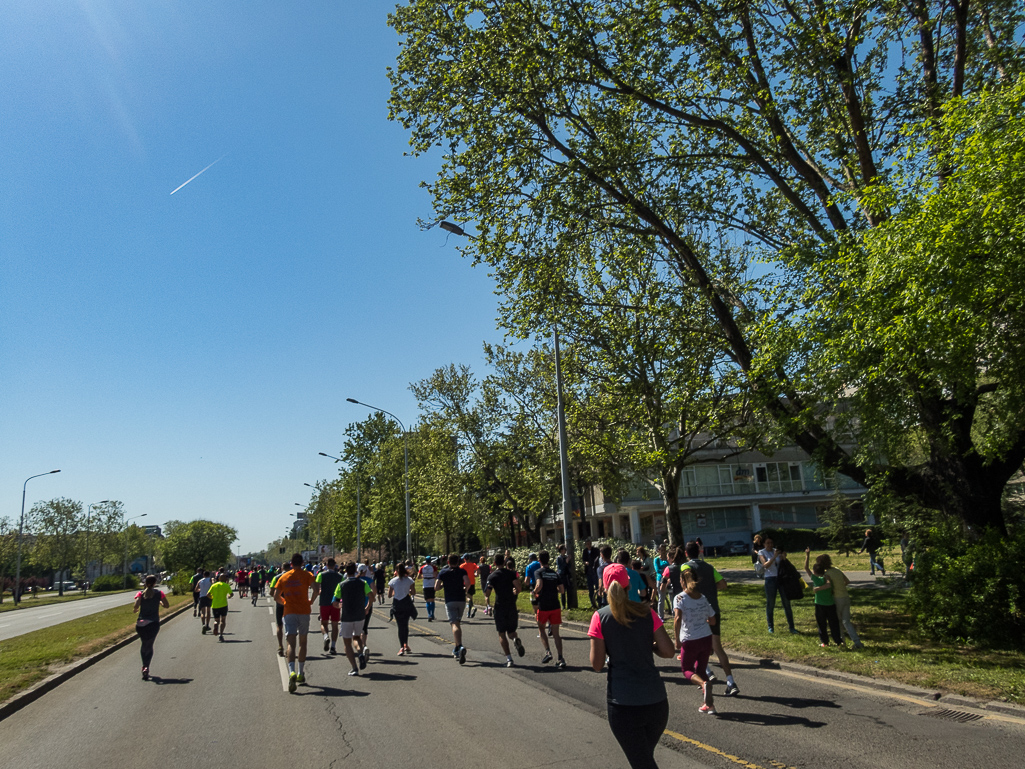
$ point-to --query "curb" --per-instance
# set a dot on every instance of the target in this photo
(33, 693)
(880, 684)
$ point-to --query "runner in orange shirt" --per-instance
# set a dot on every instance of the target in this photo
(471, 571)
(292, 591)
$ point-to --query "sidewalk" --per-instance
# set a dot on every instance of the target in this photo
(859, 579)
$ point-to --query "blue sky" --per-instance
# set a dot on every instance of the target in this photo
(190, 354)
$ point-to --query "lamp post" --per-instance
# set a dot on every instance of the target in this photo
(124, 533)
(21, 526)
(567, 503)
(88, 525)
(405, 475)
(359, 516)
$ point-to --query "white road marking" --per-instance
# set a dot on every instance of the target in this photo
(282, 665)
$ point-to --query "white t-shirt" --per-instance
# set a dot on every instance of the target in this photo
(402, 586)
(429, 573)
(772, 569)
(204, 586)
(695, 613)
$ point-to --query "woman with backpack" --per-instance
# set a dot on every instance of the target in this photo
(774, 562)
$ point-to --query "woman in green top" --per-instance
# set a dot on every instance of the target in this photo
(825, 607)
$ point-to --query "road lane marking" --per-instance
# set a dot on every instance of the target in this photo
(721, 753)
(282, 665)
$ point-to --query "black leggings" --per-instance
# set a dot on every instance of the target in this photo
(147, 635)
(827, 615)
(637, 729)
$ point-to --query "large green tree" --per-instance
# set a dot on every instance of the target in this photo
(57, 525)
(196, 544)
(749, 135)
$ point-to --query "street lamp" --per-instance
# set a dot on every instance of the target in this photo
(567, 526)
(21, 526)
(88, 521)
(359, 515)
(405, 456)
(124, 533)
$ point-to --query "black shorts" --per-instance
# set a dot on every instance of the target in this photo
(507, 618)
(205, 601)
(279, 614)
(471, 590)
(428, 593)
(718, 622)
(221, 611)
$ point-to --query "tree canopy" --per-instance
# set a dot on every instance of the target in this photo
(196, 544)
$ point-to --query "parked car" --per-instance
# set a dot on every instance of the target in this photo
(67, 586)
(736, 547)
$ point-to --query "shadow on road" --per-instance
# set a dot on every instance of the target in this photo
(792, 702)
(375, 676)
(765, 719)
(330, 691)
(237, 641)
(160, 681)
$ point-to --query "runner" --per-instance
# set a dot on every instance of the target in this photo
(279, 609)
(471, 571)
(204, 601)
(194, 584)
(401, 590)
(147, 606)
(709, 583)
(329, 579)
(254, 585)
(241, 580)
(293, 592)
(219, 594)
(455, 581)
(547, 589)
(506, 586)
(353, 598)
(429, 575)
(692, 617)
(484, 570)
(379, 582)
(364, 572)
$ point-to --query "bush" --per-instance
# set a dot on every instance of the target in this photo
(970, 592)
(107, 582)
(179, 583)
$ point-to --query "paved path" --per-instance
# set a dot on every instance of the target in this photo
(859, 579)
(18, 622)
(428, 711)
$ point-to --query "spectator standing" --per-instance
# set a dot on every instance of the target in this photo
(589, 556)
(770, 557)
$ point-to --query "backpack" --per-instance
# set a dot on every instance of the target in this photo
(759, 569)
(674, 580)
(790, 581)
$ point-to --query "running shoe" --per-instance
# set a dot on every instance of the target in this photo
(301, 679)
(794, 631)
(332, 650)
(547, 658)
(281, 651)
(354, 672)
(408, 650)
(402, 652)
(363, 661)
(205, 630)
(710, 676)
(708, 710)
(292, 683)
(549, 632)
(519, 646)
(824, 646)
(220, 637)
(508, 663)
(145, 674)
(474, 612)
(327, 644)
(462, 655)
(732, 689)
(430, 619)
(561, 664)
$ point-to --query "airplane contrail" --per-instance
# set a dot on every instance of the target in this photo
(200, 173)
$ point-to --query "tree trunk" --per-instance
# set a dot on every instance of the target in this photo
(670, 489)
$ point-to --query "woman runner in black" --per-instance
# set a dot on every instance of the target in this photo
(629, 633)
(147, 606)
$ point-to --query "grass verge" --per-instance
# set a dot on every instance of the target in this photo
(29, 658)
(44, 599)
(894, 649)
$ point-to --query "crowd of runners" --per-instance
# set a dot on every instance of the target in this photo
(631, 594)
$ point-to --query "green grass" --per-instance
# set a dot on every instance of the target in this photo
(29, 658)
(44, 599)
(852, 562)
(894, 650)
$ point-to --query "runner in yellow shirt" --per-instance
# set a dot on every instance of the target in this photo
(220, 592)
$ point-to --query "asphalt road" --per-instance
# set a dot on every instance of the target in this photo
(18, 622)
(224, 704)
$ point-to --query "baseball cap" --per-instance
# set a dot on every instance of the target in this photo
(428, 559)
(361, 569)
(615, 572)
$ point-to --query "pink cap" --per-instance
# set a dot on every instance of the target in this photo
(615, 572)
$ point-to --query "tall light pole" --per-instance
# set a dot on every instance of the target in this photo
(88, 523)
(567, 502)
(405, 475)
(21, 526)
(124, 533)
(359, 515)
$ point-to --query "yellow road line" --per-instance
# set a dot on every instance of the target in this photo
(721, 753)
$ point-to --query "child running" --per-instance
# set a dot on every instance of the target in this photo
(692, 616)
